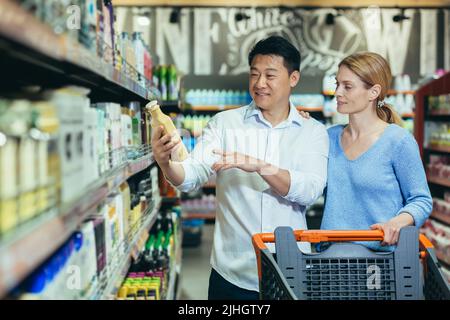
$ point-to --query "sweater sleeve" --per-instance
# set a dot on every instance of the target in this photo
(411, 176)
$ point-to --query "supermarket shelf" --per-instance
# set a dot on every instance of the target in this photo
(395, 92)
(24, 250)
(441, 217)
(30, 51)
(213, 108)
(209, 186)
(119, 273)
(440, 181)
(439, 148)
(197, 215)
(172, 281)
(175, 269)
(408, 115)
(436, 113)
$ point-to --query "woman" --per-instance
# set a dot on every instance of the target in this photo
(376, 178)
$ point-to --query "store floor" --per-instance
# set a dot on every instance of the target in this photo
(195, 268)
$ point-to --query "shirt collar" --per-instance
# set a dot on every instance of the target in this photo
(293, 118)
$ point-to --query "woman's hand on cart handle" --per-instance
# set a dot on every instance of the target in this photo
(391, 228)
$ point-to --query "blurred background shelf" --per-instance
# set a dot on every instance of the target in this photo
(441, 217)
(440, 181)
(32, 54)
(118, 274)
(29, 245)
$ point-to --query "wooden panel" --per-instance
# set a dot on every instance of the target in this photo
(291, 3)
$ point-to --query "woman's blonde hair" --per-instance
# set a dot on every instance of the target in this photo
(373, 69)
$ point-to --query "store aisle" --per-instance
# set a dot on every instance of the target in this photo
(195, 268)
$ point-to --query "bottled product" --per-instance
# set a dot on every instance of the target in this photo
(172, 83)
(160, 119)
(163, 82)
(139, 52)
(135, 110)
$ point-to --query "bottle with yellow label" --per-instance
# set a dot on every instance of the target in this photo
(160, 119)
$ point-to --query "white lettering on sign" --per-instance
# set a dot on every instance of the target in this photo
(428, 41)
(205, 35)
(392, 41)
(447, 39)
(175, 37)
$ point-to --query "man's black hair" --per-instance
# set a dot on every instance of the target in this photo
(278, 46)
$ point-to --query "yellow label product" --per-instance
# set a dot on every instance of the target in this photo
(160, 119)
(8, 183)
(27, 178)
(125, 191)
(9, 217)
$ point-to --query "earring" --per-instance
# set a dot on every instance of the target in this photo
(380, 104)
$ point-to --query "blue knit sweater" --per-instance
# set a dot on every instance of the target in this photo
(384, 181)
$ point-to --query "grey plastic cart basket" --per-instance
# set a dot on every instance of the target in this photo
(347, 270)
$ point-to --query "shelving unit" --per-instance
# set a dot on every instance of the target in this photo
(438, 185)
(194, 215)
(438, 148)
(434, 88)
(137, 237)
(439, 181)
(441, 217)
(22, 251)
(175, 269)
(31, 53)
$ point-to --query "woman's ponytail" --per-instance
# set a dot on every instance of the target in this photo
(387, 113)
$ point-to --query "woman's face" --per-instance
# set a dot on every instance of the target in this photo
(351, 93)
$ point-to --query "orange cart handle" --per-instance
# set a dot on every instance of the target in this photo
(317, 236)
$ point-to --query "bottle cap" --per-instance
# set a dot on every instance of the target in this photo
(152, 105)
(78, 240)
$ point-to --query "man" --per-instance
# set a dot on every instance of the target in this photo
(270, 163)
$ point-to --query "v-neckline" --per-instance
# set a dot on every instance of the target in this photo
(365, 152)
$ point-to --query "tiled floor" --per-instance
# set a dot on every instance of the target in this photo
(195, 268)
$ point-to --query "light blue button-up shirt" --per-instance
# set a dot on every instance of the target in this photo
(245, 202)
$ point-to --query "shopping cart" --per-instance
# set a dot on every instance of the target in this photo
(348, 270)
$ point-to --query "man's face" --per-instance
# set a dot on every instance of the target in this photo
(270, 83)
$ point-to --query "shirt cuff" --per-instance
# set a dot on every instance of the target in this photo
(418, 216)
(302, 189)
(189, 182)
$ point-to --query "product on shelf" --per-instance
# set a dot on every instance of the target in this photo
(203, 97)
(135, 113)
(95, 30)
(402, 83)
(439, 166)
(96, 249)
(442, 206)
(71, 103)
(439, 235)
(29, 162)
(438, 134)
(166, 80)
(308, 100)
(205, 204)
(149, 274)
(439, 104)
(160, 119)
(402, 103)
